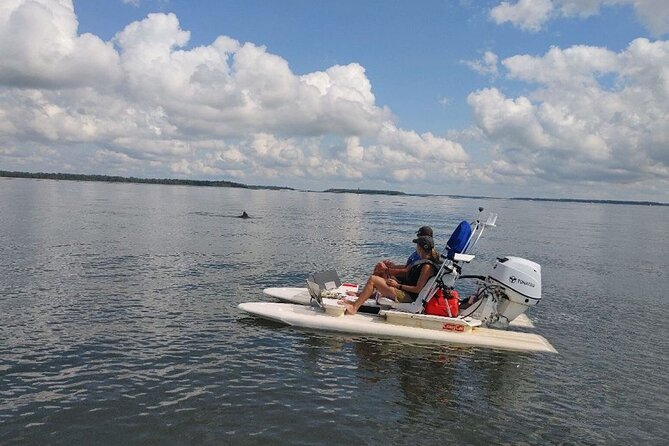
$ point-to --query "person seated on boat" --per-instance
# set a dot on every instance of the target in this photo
(387, 268)
(409, 282)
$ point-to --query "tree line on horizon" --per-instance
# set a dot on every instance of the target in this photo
(224, 183)
(119, 179)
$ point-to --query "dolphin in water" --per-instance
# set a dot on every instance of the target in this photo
(244, 215)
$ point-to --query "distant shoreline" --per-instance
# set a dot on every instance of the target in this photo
(223, 183)
(119, 179)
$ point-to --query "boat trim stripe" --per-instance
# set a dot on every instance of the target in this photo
(522, 294)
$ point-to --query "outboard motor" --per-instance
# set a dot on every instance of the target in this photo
(512, 286)
(520, 280)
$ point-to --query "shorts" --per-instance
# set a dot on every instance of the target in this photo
(403, 296)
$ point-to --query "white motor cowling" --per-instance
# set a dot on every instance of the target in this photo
(520, 280)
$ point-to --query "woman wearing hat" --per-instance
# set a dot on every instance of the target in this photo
(387, 268)
(410, 279)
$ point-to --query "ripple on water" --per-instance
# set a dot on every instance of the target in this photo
(119, 323)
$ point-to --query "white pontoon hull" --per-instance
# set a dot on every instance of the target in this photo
(288, 294)
(301, 296)
(363, 324)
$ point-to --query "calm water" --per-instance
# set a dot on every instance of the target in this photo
(119, 322)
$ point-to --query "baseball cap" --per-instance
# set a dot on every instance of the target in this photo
(425, 242)
(424, 230)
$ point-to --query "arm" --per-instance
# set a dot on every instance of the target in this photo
(398, 271)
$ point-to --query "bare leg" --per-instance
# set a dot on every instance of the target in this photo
(374, 282)
(352, 308)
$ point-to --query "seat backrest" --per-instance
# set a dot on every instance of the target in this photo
(457, 243)
(326, 280)
(417, 305)
(427, 289)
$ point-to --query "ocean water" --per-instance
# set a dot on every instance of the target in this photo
(119, 322)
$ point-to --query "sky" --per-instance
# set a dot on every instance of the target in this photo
(518, 98)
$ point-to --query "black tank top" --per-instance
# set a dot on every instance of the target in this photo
(414, 274)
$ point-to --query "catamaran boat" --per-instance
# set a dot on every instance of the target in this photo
(493, 316)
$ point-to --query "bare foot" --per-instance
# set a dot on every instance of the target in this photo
(350, 308)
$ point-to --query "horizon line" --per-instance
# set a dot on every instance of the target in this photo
(225, 183)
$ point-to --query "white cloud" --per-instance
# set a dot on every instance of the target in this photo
(572, 126)
(510, 121)
(232, 89)
(654, 14)
(40, 48)
(531, 15)
(528, 15)
(487, 65)
(421, 147)
(354, 151)
(578, 64)
(146, 102)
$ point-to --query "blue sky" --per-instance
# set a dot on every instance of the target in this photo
(544, 98)
(413, 52)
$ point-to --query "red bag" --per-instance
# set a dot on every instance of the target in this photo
(437, 305)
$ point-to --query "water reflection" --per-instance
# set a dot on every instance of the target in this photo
(431, 377)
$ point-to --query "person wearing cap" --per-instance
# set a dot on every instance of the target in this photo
(409, 282)
(386, 268)
(424, 230)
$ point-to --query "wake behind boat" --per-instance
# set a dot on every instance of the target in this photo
(492, 317)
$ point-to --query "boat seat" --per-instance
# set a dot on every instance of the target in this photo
(326, 280)
(417, 305)
(386, 303)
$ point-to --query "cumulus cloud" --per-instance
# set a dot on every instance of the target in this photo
(531, 15)
(576, 126)
(233, 89)
(146, 102)
(487, 65)
(528, 15)
(40, 47)
(579, 64)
